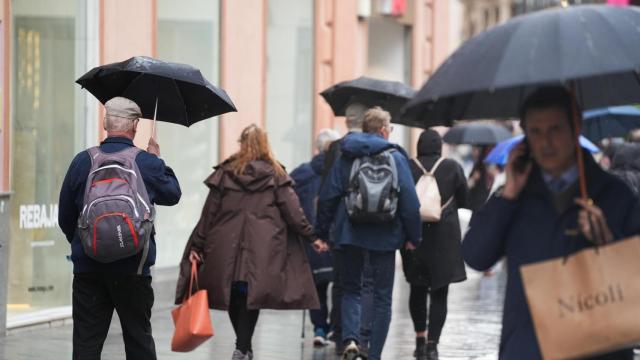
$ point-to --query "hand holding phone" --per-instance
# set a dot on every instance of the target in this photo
(523, 158)
(518, 169)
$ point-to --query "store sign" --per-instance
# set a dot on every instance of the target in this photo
(38, 216)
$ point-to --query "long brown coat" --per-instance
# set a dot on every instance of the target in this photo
(250, 230)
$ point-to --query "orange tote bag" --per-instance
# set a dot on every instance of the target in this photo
(191, 318)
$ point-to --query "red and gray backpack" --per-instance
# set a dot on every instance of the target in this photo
(117, 217)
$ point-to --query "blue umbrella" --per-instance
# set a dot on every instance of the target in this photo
(500, 153)
(608, 122)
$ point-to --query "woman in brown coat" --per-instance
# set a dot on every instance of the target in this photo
(247, 241)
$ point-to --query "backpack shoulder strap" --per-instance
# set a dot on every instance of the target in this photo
(419, 165)
(93, 152)
(435, 166)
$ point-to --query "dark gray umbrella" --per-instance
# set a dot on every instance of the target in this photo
(615, 121)
(480, 134)
(489, 76)
(183, 96)
(593, 49)
(390, 95)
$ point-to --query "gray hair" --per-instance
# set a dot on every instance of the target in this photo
(117, 123)
(355, 115)
(325, 138)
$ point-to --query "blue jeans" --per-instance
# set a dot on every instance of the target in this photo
(352, 262)
(366, 298)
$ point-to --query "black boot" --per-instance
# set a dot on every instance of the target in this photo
(432, 350)
(421, 349)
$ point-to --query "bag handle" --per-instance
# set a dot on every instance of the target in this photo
(192, 278)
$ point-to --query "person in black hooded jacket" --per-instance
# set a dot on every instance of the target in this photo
(437, 262)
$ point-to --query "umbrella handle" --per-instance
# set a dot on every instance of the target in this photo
(155, 112)
(576, 128)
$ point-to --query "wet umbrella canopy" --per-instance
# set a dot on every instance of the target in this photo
(183, 95)
(476, 134)
(490, 76)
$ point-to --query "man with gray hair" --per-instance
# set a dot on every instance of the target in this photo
(123, 285)
(354, 115)
(306, 178)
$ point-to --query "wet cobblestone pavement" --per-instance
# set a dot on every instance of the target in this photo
(471, 332)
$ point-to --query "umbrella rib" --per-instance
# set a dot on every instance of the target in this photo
(186, 114)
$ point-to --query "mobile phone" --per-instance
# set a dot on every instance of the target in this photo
(520, 163)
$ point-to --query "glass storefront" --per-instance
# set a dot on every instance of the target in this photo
(48, 129)
(188, 32)
(289, 100)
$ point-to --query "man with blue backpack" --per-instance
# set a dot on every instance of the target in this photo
(106, 211)
(370, 206)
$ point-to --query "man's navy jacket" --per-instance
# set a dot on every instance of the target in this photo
(161, 184)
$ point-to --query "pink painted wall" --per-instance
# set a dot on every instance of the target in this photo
(127, 28)
(430, 41)
(242, 67)
(341, 53)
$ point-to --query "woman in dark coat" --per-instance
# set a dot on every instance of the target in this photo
(247, 241)
(437, 262)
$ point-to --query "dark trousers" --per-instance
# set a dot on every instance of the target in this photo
(95, 296)
(437, 310)
(243, 320)
(320, 317)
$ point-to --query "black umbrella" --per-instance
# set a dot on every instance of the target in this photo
(480, 134)
(591, 48)
(390, 95)
(182, 95)
(489, 76)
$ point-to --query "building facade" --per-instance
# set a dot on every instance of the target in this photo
(273, 57)
(479, 15)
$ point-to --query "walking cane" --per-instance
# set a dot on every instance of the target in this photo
(304, 320)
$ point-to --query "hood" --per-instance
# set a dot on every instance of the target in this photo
(317, 163)
(356, 145)
(430, 143)
(627, 157)
(258, 176)
(306, 172)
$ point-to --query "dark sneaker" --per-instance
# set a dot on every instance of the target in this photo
(351, 351)
(238, 355)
